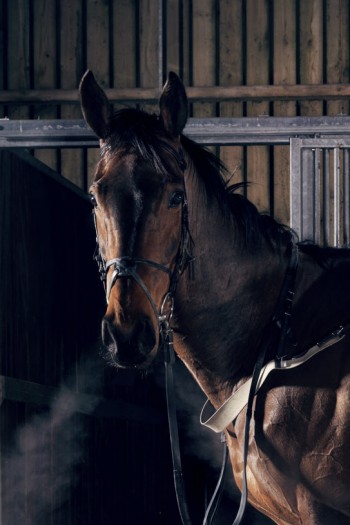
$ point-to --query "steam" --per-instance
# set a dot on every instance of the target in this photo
(41, 468)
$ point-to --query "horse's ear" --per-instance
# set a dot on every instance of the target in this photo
(173, 106)
(94, 104)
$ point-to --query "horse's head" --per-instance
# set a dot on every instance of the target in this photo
(140, 212)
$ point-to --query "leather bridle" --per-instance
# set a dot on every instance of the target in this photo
(126, 266)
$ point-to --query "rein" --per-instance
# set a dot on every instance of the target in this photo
(281, 319)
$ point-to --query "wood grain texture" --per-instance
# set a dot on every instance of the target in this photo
(203, 49)
(231, 75)
(44, 66)
(236, 58)
(284, 72)
(311, 46)
(17, 49)
(258, 57)
(337, 20)
(70, 26)
(97, 52)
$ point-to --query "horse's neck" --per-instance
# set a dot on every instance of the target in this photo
(329, 289)
(221, 314)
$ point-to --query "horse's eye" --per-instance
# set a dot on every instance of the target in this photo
(93, 200)
(176, 199)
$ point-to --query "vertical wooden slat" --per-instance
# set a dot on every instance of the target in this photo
(71, 69)
(337, 50)
(284, 72)
(148, 50)
(173, 36)
(44, 66)
(186, 24)
(231, 74)
(18, 52)
(97, 52)
(258, 162)
(124, 44)
(203, 49)
(2, 57)
(311, 50)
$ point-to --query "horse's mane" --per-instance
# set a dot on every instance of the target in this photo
(134, 129)
(252, 226)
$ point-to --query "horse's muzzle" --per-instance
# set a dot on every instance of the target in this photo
(129, 346)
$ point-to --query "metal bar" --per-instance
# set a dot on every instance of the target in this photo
(336, 203)
(211, 131)
(346, 197)
(326, 198)
(317, 195)
(341, 141)
(295, 187)
(307, 194)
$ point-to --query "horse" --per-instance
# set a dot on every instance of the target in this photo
(178, 243)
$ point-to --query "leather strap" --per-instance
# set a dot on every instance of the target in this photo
(230, 409)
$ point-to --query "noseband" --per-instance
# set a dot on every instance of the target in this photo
(126, 266)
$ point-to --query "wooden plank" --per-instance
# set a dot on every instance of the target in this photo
(231, 74)
(71, 64)
(311, 50)
(258, 162)
(337, 50)
(148, 50)
(284, 72)
(97, 52)
(185, 14)
(23, 391)
(44, 65)
(174, 49)
(18, 52)
(124, 47)
(204, 52)
(254, 93)
(2, 66)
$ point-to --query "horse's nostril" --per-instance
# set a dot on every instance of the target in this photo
(129, 344)
(109, 336)
(144, 333)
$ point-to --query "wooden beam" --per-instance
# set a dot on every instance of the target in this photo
(195, 94)
(13, 389)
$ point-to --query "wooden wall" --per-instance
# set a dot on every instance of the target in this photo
(46, 44)
(61, 463)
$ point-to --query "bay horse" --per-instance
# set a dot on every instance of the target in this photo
(163, 209)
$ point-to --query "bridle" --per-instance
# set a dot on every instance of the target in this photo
(126, 266)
